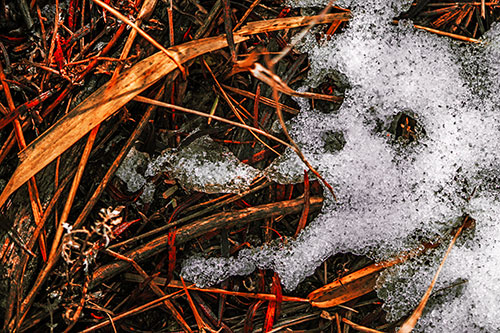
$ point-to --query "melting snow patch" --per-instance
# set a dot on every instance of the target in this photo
(390, 190)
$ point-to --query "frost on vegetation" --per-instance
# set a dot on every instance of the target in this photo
(393, 193)
(205, 166)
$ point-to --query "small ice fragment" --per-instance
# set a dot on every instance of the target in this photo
(205, 166)
(131, 173)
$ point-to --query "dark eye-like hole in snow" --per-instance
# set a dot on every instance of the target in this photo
(405, 128)
(333, 141)
(334, 84)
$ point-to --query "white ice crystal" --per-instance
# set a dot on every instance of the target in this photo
(205, 166)
(131, 174)
(390, 192)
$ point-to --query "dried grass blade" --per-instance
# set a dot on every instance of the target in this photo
(36, 205)
(214, 117)
(228, 26)
(444, 33)
(258, 27)
(249, 320)
(103, 103)
(410, 323)
(262, 99)
(265, 75)
(247, 13)
(305, 212)
(72, 192)
(355, 284)
(274, 81)
(273, 308)
(199, 321)
(174, 57)
(132, 312)
(262, 297)
(146, 11)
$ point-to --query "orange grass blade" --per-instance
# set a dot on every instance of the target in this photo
(307, 205)
(263, 297)
(199, 321)
(410, 323)
(444, 33)
(249, 320)
(257, 27)
(355, 284)
(172, 55)
(105, 101)
(273, 309)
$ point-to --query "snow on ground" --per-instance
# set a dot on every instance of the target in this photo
(391, 192)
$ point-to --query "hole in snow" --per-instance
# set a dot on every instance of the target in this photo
(405, 128)
(335, 83)
(333, 141)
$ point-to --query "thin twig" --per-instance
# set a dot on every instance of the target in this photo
(141, 32)
(72, 192)
(202, 114)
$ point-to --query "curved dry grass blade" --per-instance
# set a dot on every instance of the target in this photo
(113, 95)
(265, 75)
(274, 81)
(346, 288)
(258, 27)
(355, 284)
(296, 148)
(103, 103)
(410, 323)
(260, 296)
